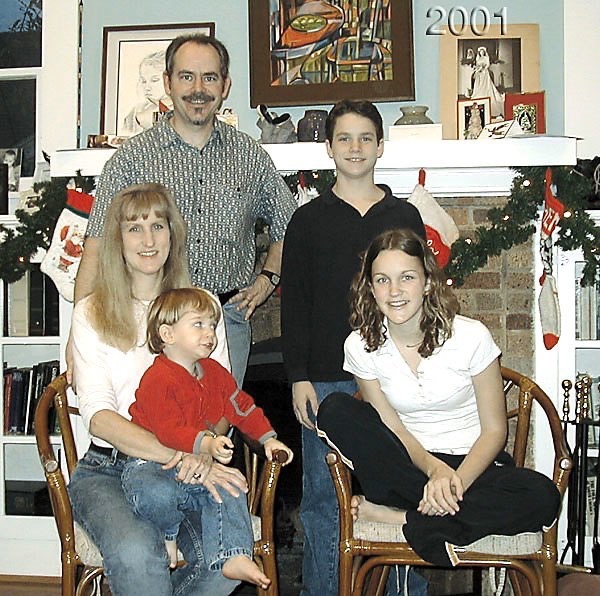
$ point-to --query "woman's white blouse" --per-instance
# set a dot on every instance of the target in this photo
(437, 405)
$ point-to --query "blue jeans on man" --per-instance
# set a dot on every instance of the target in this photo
(156, 495)
(239, 336)
(319, 515)
(135, 558)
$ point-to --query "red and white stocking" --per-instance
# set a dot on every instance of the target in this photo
(440, 229)
(548, 298)
(62, 259)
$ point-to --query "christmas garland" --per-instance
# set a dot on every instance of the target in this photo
(508, 226)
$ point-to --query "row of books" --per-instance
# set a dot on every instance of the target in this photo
(31, 306)
(23, 386)
(587, 303)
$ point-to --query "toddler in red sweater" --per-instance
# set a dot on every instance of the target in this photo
(181, 399)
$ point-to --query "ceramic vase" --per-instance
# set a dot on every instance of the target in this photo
(414, 115)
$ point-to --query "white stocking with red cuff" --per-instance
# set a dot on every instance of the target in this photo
(548, 300)
(440, 228)
(549, 312)
(62, 259)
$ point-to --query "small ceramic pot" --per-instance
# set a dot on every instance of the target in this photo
(414, 115)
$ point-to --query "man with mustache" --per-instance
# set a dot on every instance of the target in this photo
(222, 181)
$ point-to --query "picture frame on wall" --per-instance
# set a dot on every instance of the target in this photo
(133, 62)
(488, 65)
(473, 115)
(528, 109)
(309, 53)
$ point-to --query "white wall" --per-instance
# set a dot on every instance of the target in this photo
(582, 74)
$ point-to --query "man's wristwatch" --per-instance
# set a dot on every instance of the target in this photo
(274, 278)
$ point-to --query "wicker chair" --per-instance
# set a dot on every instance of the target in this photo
(80, 559)
(368, 548)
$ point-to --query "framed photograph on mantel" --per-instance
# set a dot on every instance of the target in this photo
(528, 109)
(472, 115)
(490, 65)
(133, 62)
(307, 52)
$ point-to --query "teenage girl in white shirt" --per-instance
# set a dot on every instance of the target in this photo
(427, 438)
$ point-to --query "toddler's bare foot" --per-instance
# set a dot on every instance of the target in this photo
(362, 509)
(244, 569)
(172, 552)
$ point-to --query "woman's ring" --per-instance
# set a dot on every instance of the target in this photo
(196, 475)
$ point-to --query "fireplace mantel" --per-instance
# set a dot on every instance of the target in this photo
(454, 168)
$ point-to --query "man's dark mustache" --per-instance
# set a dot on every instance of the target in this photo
(199, 96)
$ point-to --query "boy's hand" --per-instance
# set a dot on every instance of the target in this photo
(272, 445)
(221, 449)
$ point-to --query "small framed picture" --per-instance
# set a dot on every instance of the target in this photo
(28, 201)
(528, 109)
(473, 115)
(12, 157)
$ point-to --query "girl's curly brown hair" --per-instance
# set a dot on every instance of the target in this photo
(439, 302)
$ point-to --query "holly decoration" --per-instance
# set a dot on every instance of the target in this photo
(508, 226)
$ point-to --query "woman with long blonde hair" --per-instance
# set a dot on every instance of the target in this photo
(142, 254)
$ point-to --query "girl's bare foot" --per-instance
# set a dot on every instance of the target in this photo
(244, 569)
(362, 509)
(172, 552)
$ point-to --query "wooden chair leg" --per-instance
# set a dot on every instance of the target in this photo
(69, 573)
(269, 566)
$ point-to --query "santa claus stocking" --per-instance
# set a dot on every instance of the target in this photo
(62, 259)
(440, 229)
(548, 299)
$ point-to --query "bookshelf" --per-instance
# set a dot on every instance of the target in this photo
(33, 321)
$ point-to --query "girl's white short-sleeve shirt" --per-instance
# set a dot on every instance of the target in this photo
(437, 405)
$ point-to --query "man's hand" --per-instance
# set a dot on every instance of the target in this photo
(253, 296)
(305, 403)
(229, 479)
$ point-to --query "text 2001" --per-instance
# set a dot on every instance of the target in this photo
(459, 20)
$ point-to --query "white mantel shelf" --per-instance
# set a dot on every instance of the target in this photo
(454, 168)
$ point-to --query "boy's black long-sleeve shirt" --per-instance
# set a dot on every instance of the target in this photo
(321, 255)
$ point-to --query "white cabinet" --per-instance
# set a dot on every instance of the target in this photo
(577, 352)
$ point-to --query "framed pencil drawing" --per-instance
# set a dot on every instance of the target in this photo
(490, 65)
(133, 62)
(306, 52)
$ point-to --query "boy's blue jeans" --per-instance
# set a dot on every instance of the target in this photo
(135, 558)
(158, 497)
(320, 517)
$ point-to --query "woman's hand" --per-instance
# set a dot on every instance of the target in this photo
(221, 448)
(194, 468)
(226, 478)
(272, 445)
(443, 493)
